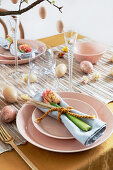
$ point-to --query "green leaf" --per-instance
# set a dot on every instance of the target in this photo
(8, 39)
(54, 104)
(26, 1)
(79, 123)
(53, 2)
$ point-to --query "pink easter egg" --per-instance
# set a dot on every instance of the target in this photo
(86, 66)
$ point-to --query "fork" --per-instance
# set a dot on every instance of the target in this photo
(8, 139)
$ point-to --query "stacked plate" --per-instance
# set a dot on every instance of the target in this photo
(51, 135)
(7, 58)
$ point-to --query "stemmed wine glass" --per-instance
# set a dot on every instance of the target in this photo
(70, 37)
(14, 26)
(31, 66)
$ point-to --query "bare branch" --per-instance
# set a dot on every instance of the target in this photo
(59, 8)
(4, 13)
(21, 1)
(21, 11)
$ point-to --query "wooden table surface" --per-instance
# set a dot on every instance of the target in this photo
(99, 158)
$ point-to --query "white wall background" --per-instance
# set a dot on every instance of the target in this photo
(93, 18)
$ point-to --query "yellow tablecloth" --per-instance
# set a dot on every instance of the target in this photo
(99, 158)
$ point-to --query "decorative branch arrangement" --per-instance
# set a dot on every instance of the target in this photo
(21, 11)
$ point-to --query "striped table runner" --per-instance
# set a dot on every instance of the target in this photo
(102, 89)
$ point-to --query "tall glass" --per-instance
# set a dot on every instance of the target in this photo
(44, 69)
(14, 26)
(70, 40)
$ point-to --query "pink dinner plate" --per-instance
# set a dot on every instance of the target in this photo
(7, 58)
(52, 128)
(32, 135)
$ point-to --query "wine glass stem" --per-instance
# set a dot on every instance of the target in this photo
(15, 44)
(16, 56)
(29, 77)
(70, 61)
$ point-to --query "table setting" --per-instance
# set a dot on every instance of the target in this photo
(55, 99)
(49, 134)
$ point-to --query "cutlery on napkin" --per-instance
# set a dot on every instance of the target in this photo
(86, 138)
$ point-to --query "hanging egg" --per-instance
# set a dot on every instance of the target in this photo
(42, 12)
(14, 1)
(59, 26)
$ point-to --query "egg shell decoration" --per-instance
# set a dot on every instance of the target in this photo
(86, 67)
(111, 59)
(59, 26)
(42, 12)
(85, 79)
(61, 70)
(10, 94)
(112, 71)
(8, 114)
(33, 78)
(14, 1)
(96, 76)
(25, 97)
(61, 55)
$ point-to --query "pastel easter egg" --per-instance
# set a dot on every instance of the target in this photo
(61, 70)
(42, 12)
(8, 114)
(14, 1)
(59, 26)
(10, 94)
(86, 67)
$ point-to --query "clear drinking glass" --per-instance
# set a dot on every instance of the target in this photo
(14, 26)
(70, 39)
(47, 70)
(44, 69)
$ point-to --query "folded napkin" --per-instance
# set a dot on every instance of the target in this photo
(86, 138)
(4, 43)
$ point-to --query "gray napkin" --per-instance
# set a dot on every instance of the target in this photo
(86, 138)
(4, 43)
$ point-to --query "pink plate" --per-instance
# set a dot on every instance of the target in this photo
(7, 58)
(31, 134)
(52, 128)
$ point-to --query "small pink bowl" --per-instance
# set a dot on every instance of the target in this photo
(89, 51)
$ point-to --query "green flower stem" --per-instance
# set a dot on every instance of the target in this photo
(79, 123)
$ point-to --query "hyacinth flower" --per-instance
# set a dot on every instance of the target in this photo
(51, 98)
(23, 48)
